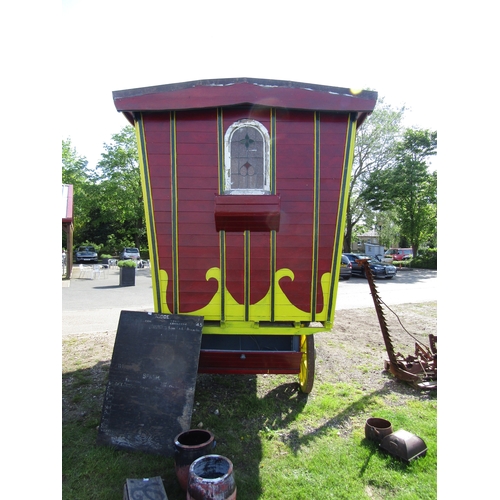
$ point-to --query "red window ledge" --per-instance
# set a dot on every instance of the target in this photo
(247, 212)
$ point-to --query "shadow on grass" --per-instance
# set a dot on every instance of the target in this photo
(231, 407)
(228, 405)
(241, 411)
(342, 419)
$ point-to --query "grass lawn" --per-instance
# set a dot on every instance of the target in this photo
(283, 444)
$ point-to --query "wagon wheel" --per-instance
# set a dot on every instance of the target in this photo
(307, 363)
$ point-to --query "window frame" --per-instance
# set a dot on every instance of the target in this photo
(266, 190)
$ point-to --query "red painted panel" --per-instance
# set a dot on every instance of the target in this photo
(332, 144)
(235, 264)
(156, 148)
(260, 266)
(294, 242)
(161, 195)
(159, 166)
(157, 136)
(197, 174)
(247, 213)
(212, 361)
(263, 115)
(190, 147)
(197, 182)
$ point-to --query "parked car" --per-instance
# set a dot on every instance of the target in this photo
(398, 254)
(379, 269)
(130, 253)
(345, 268)
(86, 254)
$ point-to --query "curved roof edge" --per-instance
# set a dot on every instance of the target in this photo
(238, 91)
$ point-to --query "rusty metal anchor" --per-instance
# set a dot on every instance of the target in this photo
(419, 370)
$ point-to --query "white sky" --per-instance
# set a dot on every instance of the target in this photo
(115, 44)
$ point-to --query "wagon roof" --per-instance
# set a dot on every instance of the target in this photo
(239, 91)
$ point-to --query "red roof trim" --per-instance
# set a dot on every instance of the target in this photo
(232, 92)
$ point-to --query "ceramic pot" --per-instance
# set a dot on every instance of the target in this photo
(211, 476)
(189, 446)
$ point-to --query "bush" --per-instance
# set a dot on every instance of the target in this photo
(106, 256)
(427, 259)
(127, 263)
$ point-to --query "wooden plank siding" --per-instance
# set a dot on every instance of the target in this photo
(295, 184)
(307, 157)
(197, 161)
(282, 267)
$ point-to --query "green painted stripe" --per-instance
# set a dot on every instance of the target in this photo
(273, 274)
(222, 246)
(173, 187)
(314, 278)
(220, 149)
(273, 191)
(272, 158)
(247, 275)
(153, 251)
(339, 237)
(222, 234)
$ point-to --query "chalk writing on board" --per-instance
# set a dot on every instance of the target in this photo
(150, 391)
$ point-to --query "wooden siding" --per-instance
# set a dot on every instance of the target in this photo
(332, 146)
(198, 242)
(295, 184)
(185, 165)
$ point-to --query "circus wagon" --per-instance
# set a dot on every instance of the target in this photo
(245, 185)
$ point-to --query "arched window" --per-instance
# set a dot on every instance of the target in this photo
(247, 158)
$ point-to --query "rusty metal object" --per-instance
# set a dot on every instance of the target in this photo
(377, 429)
(404, 445)
(419, 370)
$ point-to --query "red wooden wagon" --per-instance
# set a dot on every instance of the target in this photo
(245, 184)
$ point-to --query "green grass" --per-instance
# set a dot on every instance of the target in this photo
(283, 444)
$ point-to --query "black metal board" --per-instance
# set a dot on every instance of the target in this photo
(152, 377)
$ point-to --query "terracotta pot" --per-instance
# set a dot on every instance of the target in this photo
(211, 477)
(377, 428)
(189, 446)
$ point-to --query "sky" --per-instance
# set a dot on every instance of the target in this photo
(112, 45)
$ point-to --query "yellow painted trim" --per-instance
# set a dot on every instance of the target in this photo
(315, 220)
(285, 310)
(175, 214)
(341, 214)
(254, 328)
(148, 211)
(163, 287)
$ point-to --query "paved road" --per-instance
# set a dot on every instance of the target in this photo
(409, 286)
(90, 306)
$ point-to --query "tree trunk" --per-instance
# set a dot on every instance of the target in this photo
(347, 235)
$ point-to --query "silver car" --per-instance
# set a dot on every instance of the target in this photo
(345, 268)
(86, 254)
(130, 253)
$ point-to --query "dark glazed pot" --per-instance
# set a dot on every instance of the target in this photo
(189, 446)
(377, 428)
(211, 477)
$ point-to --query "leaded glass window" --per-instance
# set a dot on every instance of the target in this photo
(247, 158)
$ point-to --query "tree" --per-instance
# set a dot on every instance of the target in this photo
(373, 151)
(76, 173)
(408, 188)
(118, 213)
